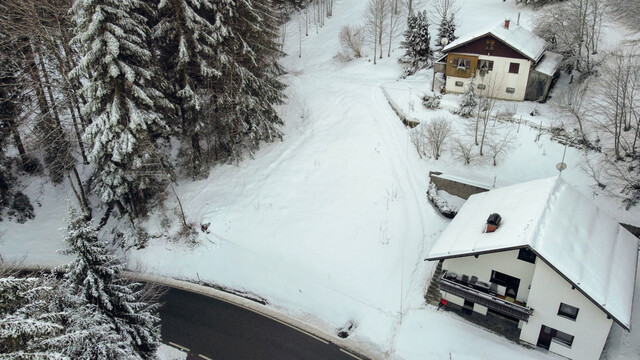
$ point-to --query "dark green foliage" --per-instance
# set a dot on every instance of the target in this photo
(446, 30)
(417, 44)
(97, 275)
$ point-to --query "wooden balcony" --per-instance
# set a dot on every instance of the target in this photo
(485, 299)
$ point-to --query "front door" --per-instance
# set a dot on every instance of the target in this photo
(544, 339)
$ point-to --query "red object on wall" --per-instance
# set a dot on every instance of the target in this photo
(444, 302)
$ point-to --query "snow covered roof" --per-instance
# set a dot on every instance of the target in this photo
(520, 39)
(549, 63)
(568, 231)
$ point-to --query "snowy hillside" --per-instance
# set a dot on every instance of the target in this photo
(332, 224)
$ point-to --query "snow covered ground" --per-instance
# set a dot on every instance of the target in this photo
(166, 352)
(332, 224)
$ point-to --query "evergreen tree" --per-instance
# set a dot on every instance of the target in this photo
(416, 43)
(26, 318)
(446, 30)
(96, 275)
(469, 102)
(241, 106)
(123, 100)
(189, 35)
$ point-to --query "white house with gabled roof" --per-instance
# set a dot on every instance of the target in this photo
(556, 264)
(505, 61)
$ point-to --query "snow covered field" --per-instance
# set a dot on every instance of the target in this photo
(332, 224)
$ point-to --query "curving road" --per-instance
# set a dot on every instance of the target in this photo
(209, 328)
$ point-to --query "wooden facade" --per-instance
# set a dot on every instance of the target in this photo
(463, 66)
(490, 46)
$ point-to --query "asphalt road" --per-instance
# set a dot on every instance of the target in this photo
(216, 330)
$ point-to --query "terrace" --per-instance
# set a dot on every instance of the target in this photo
(484, 294)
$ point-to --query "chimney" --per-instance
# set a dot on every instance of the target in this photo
(518, 23)
(493, 222)
(506, 23)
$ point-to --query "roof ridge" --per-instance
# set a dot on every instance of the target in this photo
(551, 197)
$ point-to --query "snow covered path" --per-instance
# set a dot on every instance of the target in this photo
(332, 223)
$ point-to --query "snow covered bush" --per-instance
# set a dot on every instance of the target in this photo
(21, 208)
(351, 40)
(431, 102)
(447, 210)
(416, 43)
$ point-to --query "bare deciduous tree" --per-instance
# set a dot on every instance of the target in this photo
(376, 17)
(573, 29)
(351, 40)
(443, 9)
(463, 149)
(499, 143)
(571, 105)
(437, 133)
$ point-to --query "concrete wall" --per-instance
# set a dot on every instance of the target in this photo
(456, 188)
(499, 78)
(590, 329)
(506, 262)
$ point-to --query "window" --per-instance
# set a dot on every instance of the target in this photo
(499, 278)
(568, 311)
(490, 44)
(548, 335)
(482, 86)
(527, 255)
(563, 338)
(511, 90)
(486, 65)
(461, 64)
(514, 68)
(459, 83)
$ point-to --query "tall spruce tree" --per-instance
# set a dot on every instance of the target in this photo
(188, 36)
(259, 72)
(446, 30)
(240, 109)
(97, 276)
(417, 44)
(123, 100)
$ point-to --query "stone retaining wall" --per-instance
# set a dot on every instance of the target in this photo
(456, 188)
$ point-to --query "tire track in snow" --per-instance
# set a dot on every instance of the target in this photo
(410, 188)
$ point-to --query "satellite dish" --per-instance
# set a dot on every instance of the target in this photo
(561, 166)
(444, 41)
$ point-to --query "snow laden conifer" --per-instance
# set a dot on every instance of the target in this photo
(189, 34)
(26, 318)
(244, 97)
(468, 103)
(96, 276)
(416, 43)
(123, 100)
(446, 30)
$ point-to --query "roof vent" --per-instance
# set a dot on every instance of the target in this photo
(493, 222)
(506, 23)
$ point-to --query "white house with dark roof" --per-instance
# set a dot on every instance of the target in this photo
(506, 62)
(556, 264)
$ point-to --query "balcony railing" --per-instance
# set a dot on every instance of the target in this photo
(487, 300)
